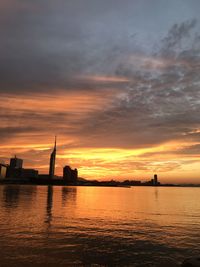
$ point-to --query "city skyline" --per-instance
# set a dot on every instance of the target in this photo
(121, 92)
(68, 173)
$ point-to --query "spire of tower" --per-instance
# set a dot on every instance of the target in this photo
(55, 142)
(52, 162)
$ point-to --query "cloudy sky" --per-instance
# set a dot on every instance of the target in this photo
(117, 81)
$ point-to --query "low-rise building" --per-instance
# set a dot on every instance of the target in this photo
(28, 174)
(3, 171)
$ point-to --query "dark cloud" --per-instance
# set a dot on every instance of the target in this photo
(176, 35)
(44, 46)
(7, 133)
(162, 101)
(157, 103)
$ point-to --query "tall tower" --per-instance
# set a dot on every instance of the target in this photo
(52, 162)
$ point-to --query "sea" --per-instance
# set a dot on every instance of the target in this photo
(98, 226)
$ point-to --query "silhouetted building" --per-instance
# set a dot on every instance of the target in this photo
(13, 173)
(52, 162)
(155, 179)
(16, 163)
(15, 170)
(69, 175)
(75, 175)
(21, 174)
(15, 167)
(43, 177)
(28, 174)
(131, 182)
(3, 171)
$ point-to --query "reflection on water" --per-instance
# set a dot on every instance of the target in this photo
(68, 195)
(85, 226)
(156, 193)
(11, 196)
(49, 203)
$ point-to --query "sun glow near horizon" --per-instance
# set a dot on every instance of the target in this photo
(112, 163)
(84, 144)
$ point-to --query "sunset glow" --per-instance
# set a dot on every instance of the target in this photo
(121, 95)
(69, 116)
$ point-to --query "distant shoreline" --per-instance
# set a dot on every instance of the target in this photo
(88, 183)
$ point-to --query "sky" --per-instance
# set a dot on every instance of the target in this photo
(117, 81)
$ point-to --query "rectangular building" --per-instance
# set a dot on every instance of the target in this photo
(28, 174)
(16, 163)
(69, 175)
(3, 171)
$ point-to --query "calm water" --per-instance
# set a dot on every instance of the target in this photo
(97, 226)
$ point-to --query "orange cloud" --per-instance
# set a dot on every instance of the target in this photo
(157, 62)
(104, 79)
(64, 112)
